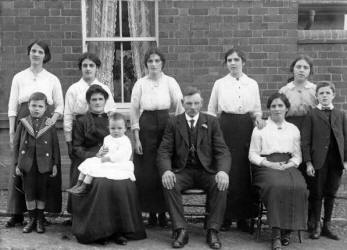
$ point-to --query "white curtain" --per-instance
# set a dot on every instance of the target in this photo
(139, 26)
(103, 24)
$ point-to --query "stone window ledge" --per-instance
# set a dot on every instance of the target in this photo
(322, 36)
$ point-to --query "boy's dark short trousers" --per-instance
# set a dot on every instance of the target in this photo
(35, 184)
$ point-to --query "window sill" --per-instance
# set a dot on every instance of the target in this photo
(322, 36)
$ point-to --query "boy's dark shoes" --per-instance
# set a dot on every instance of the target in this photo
(327, 232)
(40, 228)
(15, 219)
(32, 222)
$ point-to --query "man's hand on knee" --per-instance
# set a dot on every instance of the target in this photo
(222, 180)
(168, 179)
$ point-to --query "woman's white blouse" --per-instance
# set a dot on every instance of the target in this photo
(238, 96)
(275, 139)
(154, 95)
(25, 83)
(76, 103)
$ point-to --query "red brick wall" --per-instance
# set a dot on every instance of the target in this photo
(23, 21)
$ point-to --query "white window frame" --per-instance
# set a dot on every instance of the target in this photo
(120, 38)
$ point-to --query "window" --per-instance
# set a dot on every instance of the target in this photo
(120, 32)
(316, 15)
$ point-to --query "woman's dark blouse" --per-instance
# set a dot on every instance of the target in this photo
(88, 135)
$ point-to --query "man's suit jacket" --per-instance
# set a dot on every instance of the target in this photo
(315, 136)
(44, 145)
(211, 149)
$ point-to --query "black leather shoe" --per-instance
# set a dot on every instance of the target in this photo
(212, 239)
(14, 220)
(181, 238)
(30, 226)
(316, 232)
(40, 228)
(285, 237)
(327, 232)
(121, 240)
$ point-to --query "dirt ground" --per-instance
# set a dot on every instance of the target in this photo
(58, 236)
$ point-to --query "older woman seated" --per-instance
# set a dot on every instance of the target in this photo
(111, 208)
(275, 153)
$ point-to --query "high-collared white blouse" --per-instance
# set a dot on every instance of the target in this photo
(76, 103)
(25, 83)
(275, 139)
(238, 96)
(301, 99)
(154, 95)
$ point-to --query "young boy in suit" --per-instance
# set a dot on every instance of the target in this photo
(36, 155)
(324, 148)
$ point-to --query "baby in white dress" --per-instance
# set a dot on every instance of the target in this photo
(113, 161)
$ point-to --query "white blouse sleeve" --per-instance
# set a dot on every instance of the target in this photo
(257, 106)
(212, 107)
(123, 153)
(255, 148)
(296, 155)
(135, 106)
(14, 95)
(176, 96)
(68, 115)
(57, 96)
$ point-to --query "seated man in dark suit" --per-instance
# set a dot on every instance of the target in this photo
(193, 154)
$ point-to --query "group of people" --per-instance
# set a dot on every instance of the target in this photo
(292, 161)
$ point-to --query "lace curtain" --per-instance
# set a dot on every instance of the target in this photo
(139, 26)
(103, 24)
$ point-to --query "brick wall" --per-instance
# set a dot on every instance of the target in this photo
(195, 35)
(56, 22)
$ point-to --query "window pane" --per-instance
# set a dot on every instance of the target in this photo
(322, 16)
(133, 67)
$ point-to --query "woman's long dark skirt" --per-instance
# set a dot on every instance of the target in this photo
(149, 186)
(16, 199)
(111, 207)
(284, 194)
(237, 131)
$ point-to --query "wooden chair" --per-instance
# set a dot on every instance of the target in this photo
(201, 210)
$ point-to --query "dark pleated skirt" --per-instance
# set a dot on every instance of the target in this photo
(110, 208)
(152, 126)
(237, 131)
(285, 196)
(16, 199)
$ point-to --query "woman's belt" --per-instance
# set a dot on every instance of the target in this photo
(278, 157)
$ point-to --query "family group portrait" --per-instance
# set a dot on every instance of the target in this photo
(167, 124)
